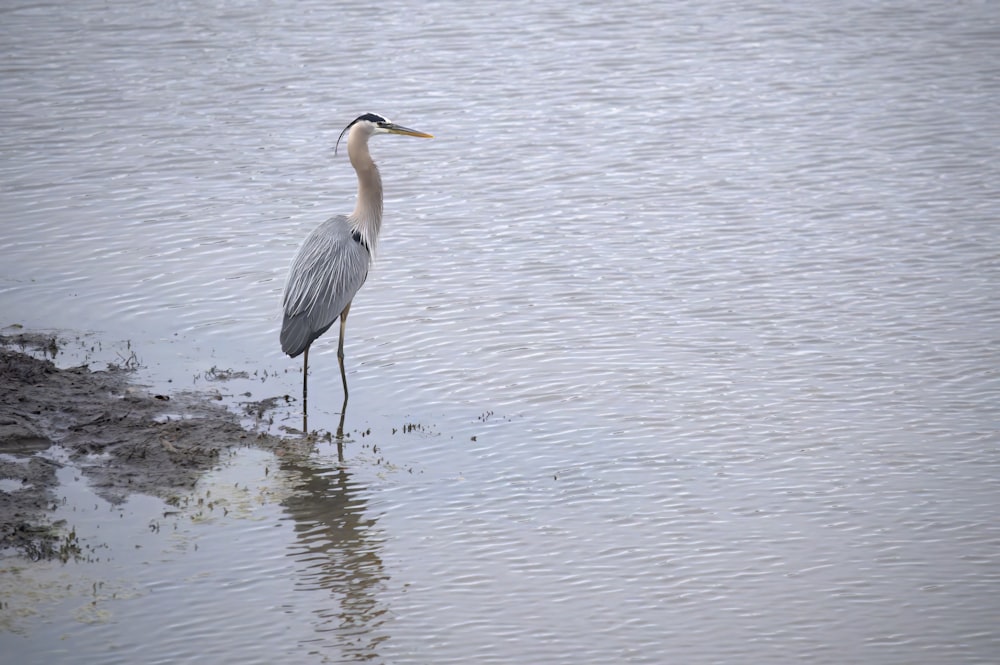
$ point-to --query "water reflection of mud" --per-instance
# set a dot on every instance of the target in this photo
(337, 545)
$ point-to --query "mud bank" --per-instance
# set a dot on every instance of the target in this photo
(123, 438)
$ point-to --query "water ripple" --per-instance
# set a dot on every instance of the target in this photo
(695, 308)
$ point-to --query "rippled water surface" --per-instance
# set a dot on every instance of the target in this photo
(682, 344)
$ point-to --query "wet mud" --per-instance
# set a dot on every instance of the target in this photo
(123, 438)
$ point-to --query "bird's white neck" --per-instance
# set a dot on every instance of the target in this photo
(367, 216)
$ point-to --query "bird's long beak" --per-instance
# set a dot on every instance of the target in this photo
(398, 129)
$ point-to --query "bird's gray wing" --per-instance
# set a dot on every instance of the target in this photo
(328, 270)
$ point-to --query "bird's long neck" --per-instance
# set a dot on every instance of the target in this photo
(367, 216)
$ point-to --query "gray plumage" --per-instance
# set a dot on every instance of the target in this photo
(328, 270)
(332, 263)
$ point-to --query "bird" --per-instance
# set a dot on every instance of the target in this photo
(332, 263)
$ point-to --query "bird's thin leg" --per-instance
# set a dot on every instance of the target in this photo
(340, 348)
(340, 432)
(305, 392)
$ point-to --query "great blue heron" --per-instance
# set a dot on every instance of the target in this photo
(332, 263)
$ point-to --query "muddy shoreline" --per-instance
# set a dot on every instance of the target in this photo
(123, 438)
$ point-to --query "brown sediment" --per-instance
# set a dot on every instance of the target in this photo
(123, 438)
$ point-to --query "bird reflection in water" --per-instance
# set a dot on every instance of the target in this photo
(339, 438)
(338, 548)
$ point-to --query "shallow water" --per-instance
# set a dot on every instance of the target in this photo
(682, 343)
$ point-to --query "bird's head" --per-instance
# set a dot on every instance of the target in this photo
(373, 123)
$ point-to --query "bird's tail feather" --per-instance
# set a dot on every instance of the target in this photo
(297, 334)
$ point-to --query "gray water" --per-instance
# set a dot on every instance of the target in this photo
(682, 344)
